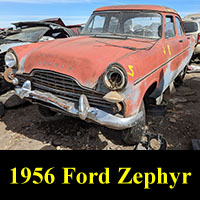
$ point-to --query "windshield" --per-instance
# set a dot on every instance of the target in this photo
(124, 23)
(29, 34)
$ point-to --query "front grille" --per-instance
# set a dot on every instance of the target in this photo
(66, 88)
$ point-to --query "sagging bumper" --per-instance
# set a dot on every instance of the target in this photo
(84, 110)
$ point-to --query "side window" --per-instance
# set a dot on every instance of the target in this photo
(179, 27)
(169, 27)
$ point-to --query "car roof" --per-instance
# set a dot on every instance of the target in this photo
(137, 7)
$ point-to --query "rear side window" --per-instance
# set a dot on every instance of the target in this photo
(190, 27)
(169, 27)
(179, 27)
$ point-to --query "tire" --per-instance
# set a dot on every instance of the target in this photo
(5, 86)
(46, 112)
(134, 134)
(179, 79)
(2, 110)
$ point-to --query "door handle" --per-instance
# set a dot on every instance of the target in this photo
(180, 40)
(188, 38)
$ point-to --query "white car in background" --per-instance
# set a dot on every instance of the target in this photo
(192, 27)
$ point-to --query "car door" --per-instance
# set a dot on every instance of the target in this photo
(177, 49)
(172, 44)
(185, 44)
(171, 49)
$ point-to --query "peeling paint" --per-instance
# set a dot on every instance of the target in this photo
(169, 75)
(83, 61)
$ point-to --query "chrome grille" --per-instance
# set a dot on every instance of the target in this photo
(66, 88)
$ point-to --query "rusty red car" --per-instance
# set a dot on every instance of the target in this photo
(125, 58)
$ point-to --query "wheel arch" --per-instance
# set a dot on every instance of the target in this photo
(147, 99)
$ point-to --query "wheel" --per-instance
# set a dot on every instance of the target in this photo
(134, 134)
(179, 79)
(46, 112)
(5, 86)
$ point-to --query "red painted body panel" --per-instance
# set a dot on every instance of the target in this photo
(83, 58)
(86, 59)
(138, 7)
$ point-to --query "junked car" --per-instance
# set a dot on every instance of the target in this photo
(31, 32)
(192, 17)
(192, 27)
(125, 58)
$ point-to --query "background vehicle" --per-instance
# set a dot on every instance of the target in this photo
(192, 17)
(32, 32)
(192, 27)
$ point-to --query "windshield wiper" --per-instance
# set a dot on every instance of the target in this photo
(119, 34)
(123, 36)
(132, 37)
(127, 47)
(109, 36)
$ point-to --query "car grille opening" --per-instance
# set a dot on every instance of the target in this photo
(66, 88)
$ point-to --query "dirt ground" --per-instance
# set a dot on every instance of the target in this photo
(24, 128)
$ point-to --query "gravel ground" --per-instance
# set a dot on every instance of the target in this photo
(24, 128)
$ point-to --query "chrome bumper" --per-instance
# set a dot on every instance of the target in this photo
(84, 111)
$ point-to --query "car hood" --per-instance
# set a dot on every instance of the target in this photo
(83, 58)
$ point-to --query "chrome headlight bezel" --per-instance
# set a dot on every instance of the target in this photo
(115, 77)
(11, 59)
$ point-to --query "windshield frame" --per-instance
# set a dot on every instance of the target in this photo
(123, 35)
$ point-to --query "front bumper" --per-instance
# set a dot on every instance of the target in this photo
(84, 110)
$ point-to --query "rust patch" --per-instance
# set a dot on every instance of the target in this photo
(51, 100)
(8, 75)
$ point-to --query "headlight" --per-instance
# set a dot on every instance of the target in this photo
(10, 59)
(115, 77)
